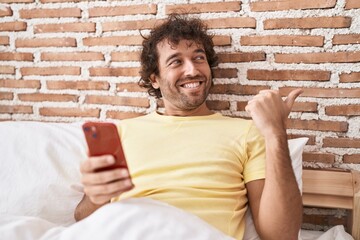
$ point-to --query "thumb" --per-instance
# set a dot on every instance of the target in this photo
(289, 101)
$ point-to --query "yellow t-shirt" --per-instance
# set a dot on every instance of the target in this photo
(199, 164)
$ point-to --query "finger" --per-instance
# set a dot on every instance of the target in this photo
(101, 199)
(93, 163)
(289, 101)
(105, 176)
(109, 188)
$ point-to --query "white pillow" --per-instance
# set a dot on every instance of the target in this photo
(296, 147)
(39, 169)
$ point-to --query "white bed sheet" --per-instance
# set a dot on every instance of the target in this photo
(132, 219)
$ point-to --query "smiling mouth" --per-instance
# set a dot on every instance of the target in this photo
(191, 85)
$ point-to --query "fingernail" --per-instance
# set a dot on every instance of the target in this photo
(110, 160)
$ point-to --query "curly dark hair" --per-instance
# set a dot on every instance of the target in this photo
(177, 27)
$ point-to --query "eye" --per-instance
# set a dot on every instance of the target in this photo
(200, 58)
(175, 62)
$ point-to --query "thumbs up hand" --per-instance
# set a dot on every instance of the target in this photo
(269, 112)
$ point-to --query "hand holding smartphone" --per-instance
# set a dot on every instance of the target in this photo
(102, 139)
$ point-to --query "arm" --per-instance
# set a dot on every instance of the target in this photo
(275, 202)
(101, 186)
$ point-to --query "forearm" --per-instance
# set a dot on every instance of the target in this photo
(280, 212)
(85, 208)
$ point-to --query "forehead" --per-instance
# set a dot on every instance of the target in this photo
(166, 47)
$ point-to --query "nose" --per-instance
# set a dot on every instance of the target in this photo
(190, 69)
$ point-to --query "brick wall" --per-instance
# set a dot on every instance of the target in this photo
(64, 60)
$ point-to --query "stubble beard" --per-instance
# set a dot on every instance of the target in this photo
(190, 101)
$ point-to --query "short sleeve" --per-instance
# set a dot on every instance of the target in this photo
(254, 167)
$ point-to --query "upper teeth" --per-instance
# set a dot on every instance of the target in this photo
(191, 85)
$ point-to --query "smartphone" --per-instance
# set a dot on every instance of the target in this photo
(102, 138)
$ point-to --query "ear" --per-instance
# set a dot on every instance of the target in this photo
(154, 81)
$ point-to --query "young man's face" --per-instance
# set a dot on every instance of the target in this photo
(184, 77)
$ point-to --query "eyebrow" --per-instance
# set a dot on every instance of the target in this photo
(175, 55)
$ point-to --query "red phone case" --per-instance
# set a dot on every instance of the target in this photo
(103, 138)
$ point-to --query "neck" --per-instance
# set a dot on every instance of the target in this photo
(203, 110)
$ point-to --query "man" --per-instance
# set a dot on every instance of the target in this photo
(207, 164)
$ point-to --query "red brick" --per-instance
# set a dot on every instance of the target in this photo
(242, 57)
(17, 1)
(341, 142)
(130, 25)
(225, 73)
(353, 158)
(221, 40)
(69, 112)
(218, 105)
(8, 83)
(125, 56)
(308, 23)
(72, 56)
(122, 115)
(236, 89)
(317, 125)
(116, 71)
(47, 97)
(283, 40)
(116, 100)
(284, 75)
(240, 106)
(297, 107)
(350, 77)
(50, 13)
(6, 96)
(129, 87)
(325, 221)
(4, 40)
(9, 56)
(324, 57)
(304, 107)
(16, 109)
(7, 70)
(343, 110)
(350, 4)
(47, 71)
(13, 26)
(265, 6)
(324, 92)
(319, 157)
(235, 22)
(115, 41)
(5, 11)
(60, 1)
(78, 85)
(45, 42)
(123, 10)
(346, 39)
(65, 27)
(203, 7)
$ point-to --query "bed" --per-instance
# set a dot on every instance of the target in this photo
(334, 188)
(40, 188)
